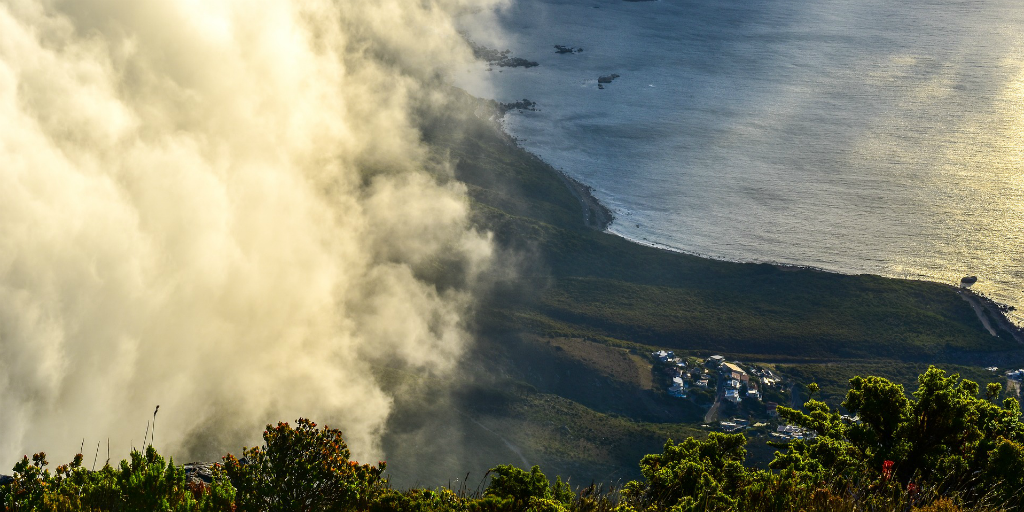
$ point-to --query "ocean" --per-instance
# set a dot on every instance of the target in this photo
(856, 136)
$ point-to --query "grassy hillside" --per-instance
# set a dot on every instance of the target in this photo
(584, 282)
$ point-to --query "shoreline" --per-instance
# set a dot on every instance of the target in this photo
(985, 306)
(595, 215)
(599, 217)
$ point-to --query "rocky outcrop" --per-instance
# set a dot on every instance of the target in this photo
(199, 472)
(567, 49)
(606, 79)
(522, 105)
(502, 58)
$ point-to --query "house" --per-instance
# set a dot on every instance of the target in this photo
(703, 382)
(794, 432)
(773, 409)
(790, 432)
(733, 395)
(715, 360)
(731, 426)
(664, 356)
(678, 388)
(732, 384)
(735, 372)
(732, 367)
(752, 392)
(769, 379)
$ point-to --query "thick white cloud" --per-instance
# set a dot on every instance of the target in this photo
(221, 207)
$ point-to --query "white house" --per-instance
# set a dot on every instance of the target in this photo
(733, 395)
(752, 392)
(678, 388)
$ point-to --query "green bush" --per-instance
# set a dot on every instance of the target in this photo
(303, 468)
(945, 448)
(146, 482)
(512, 489)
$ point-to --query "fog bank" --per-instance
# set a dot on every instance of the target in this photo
(223, 208)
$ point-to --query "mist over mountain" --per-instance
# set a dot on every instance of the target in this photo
(223, 208)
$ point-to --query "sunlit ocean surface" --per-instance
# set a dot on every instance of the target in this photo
(860, 136)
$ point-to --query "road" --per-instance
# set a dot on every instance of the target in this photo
(719, 393)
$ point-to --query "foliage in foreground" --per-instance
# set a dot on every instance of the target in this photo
(944, 449)
(145, 482)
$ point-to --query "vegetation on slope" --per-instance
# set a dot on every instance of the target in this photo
(577, 281)
(948, 447)
(568, 303)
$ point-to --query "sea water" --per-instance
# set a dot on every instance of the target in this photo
(858, 136)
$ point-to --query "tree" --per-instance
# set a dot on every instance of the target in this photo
(945, 436)
(692, 475)
(512, 488)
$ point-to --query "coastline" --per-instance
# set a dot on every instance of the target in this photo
(989, 311)
(599, 217)
(595, 215)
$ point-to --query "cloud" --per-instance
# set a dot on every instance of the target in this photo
(223, 208)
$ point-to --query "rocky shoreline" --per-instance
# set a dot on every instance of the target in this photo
(987, 309)
(520, 106)
(501, 58)
(595, 214)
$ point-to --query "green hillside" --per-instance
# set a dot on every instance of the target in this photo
(570, 306)
(574, 280)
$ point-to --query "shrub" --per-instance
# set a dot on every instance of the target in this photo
(148, 482)
(303, 468)
(512, 489)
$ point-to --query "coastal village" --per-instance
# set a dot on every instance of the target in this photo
(747, 390)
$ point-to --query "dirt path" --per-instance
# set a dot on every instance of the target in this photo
(981, 305)
(979, 310)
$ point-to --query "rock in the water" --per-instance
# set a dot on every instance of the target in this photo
(525, 104)
(501, 58)
(567, 49)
